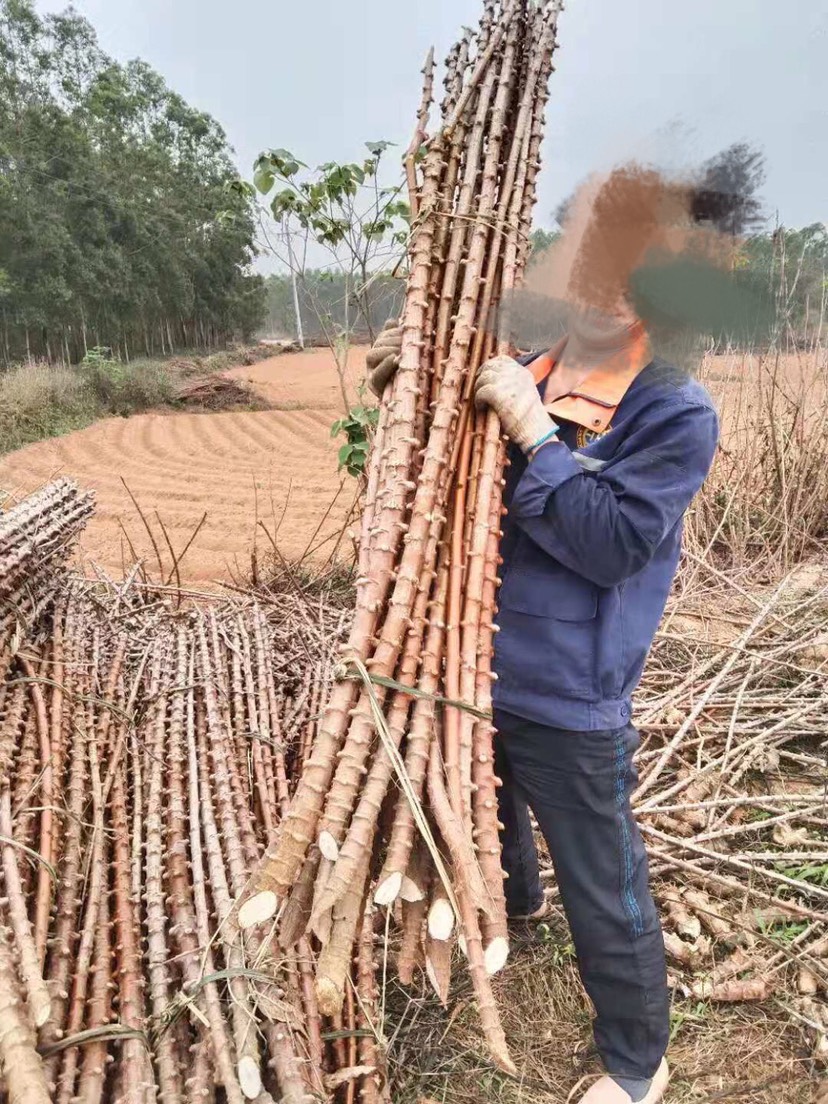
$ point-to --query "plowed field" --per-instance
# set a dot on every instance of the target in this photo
(277, 467)
(250, 470)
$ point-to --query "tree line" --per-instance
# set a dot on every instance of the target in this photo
(328, 305)
(794, 265)
(119, 223)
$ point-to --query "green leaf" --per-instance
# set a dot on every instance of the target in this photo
(378, 148)
(373, 231)
(284, 163)
(241, 188)
(345, 454)
(263, 178)
(284, 202)
(334, 233)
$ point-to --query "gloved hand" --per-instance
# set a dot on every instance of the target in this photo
(510, 390)
(384, 356)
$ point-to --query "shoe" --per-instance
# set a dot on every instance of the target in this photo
(540, 913)
(607, 1091)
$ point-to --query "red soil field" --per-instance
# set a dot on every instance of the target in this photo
(277, 467)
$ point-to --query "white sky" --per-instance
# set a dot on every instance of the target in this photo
(320, 77)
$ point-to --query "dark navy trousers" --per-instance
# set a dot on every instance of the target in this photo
(578, 785)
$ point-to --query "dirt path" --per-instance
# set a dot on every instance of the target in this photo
(236, 467)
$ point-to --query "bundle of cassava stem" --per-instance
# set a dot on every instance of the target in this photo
(397, 804)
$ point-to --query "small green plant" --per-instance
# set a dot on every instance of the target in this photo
(781, 931)
(358, 426)
(755, 816)
(103, 374)
(680, 1017)
(98, 354)
(815, 874)
(561, 954)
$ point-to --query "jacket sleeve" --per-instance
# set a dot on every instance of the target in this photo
(607, 525)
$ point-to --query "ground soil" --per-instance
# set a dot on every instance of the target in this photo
(276, 467)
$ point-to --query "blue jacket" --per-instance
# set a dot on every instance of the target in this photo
(590, 547)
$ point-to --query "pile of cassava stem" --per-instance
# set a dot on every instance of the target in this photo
(733, 791)
(146, 759)
(397, 801)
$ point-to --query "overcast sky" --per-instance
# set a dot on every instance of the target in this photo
(320, 77)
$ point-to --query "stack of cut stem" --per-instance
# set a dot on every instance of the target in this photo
(415, 703)
(146, 756)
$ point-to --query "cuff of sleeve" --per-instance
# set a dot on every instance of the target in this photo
(551, 466)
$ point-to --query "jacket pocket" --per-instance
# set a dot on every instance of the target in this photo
(547, 637)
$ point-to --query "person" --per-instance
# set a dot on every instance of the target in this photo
(608, 445)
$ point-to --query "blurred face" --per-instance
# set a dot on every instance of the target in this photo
(552, 275)
(612, 223)
(619, 228)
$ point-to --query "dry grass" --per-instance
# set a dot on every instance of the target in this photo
(438, 1052)
(41, 400)
(765, 504)
(739, 1053)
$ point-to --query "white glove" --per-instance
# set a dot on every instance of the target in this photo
(510, 390)
(383, 357)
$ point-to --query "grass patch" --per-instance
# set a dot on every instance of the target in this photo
(40, 400)
(739, 1053)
